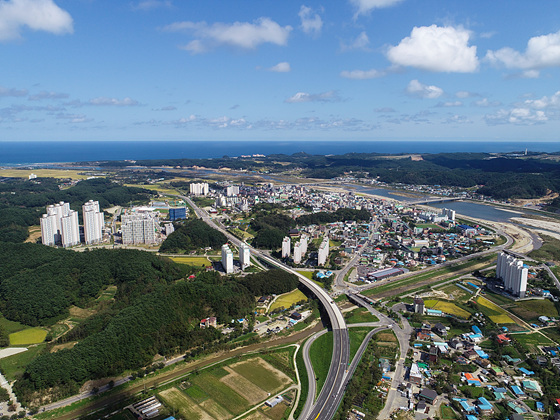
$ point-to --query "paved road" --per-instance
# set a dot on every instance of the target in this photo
(331, 394)
(312, 390)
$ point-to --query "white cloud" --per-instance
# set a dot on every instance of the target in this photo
(74, 118)
(435, 48)
(12, 92)
(104, 101)
(541, 52)
(362, 74)
(238, 34)
(366, 6)
(166, 108)
(283, 67)
(450, 104)
(360, 43)
(38, 15)
(517, 116)
(311, 22)
(147, 5)
(484, 102)
(300, 97)
(47, 95)
(457, 119)
(544, 102)
(420, 90)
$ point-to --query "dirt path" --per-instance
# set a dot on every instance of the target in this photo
(113, 401)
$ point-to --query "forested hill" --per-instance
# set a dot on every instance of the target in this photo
(22, 201)
(38, 283)
(156, 310)
(193, 234)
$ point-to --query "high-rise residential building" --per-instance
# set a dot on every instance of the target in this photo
(52, 225)
(512, 272)
(93, 222)
(450, 214)
(286, 243)
(69, 229)
(244, 256)
(138, 228)
(227, 259)
(297, 252)
(232, 190)
(323, 252)
(199, 188)
(177, 213)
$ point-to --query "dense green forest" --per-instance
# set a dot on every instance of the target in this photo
(23, 201)
(270, 228)
(155, 310)
(39, 283)
(340, 215)
(499, 176)
(192, 235)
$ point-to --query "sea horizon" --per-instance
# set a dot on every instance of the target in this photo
(49, 152)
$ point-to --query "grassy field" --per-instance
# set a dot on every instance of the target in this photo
(550, 250)
(160, 188)
(42, 173)
(357, 336)
(531, 341)
(320, 354)
(447, 413)
(447, 307)
(387, 343)
(493, 311)
(15, 365)
(107, 294)
(530, 310)
(27, 337)
(288, 299)
(359, 315)
(308, 274)
(456, 293)
(196, 261)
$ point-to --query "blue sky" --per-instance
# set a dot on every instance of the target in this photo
(279, 70)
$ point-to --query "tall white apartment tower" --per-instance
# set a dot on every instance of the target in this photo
(93, 222)
(227, 259)
(199, 189)
(286, 243)
(138, 229)
(512, 272)
(297, 252)
(244, 256)
(323, 253)
(52, 226)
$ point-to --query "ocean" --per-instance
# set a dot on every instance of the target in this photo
(26, 153)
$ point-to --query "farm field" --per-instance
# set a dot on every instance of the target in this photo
(531, 341)
(163, 189)
(493, 311)
(42, 173)
(456, 293)
(227, 391)
(288, 299)
(387, 343)
(447, 307)
(13, 366)
(196, 261)
(530, 310)
(27, 337)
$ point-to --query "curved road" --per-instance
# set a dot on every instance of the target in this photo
(331, 394)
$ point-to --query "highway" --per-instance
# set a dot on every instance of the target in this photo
(332, 392)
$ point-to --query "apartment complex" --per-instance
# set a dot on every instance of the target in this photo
(244, 256)
(227, 259)
(300, 249)
(323, 253)
(199, 189)
(138, 228)
(93, 222)
(59, 226)
(286, 244)
(512, 272)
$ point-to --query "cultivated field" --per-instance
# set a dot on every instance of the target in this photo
(288, 299)
(494, 312)
(42, 173)
(456, 293)
(225, 392)
(196, 261)
(27, 337)
(530, 310)
(447, 307)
